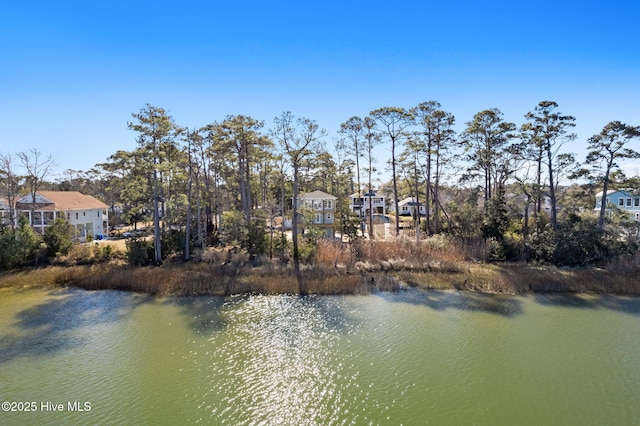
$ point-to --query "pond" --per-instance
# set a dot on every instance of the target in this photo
(70, 356)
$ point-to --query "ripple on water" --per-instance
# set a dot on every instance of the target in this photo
(279, 364)
(406, 358)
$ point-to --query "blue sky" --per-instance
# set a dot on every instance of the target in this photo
(72, 72)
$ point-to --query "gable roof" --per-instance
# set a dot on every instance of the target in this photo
(65, 200)
(409, 201)
(367, 194)
(609, 192)
(315, 195)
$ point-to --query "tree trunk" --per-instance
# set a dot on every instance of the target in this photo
(156, 221)
(552, 187)
(603, 200)
(395, 185)
(294, 232)
(187, 236)
(415, 177)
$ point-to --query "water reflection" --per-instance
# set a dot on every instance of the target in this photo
(279, 367)
(51, 326)
(507, 306)
(411, 357)
(204, 313)
(626, 304)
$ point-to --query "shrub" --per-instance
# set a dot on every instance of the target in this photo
(233, 230)
(172, 242)
(140, 252)
(255, 241)
(279, 245)
(104, 252)
(307, 252)
(18, 246)
(58, 238)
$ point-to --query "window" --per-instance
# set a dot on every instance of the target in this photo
(328, 216)
(636, 202)
(98, 214)
(328, 204)
(76, 215)
(47, 217)
(629, 202)
(318, 219)
(621, 202)
(84, 213)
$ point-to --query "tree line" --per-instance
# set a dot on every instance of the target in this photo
(225, 183)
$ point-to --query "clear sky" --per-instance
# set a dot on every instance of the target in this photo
(72, 72)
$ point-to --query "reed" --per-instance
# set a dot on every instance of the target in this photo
(339, 269)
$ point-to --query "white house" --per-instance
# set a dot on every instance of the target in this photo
(409, 206)
(361, 203)
(323, 208)
(623, 200)
(87, 215)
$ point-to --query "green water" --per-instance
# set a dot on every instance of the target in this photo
(407, 358)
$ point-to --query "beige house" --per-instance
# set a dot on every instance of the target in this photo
(87, 215)
(323, 208)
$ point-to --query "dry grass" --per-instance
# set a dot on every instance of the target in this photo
(339, 269)
(32, 277)
(513, 278)
(334, 252)
(94, 252)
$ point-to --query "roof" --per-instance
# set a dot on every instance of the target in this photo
(409, 201)
(367, 194)
(315, 195)
(65, 200)
(613, 191)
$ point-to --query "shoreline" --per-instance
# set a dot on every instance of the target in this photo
(206, 279)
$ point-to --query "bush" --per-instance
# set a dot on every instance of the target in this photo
(496, 249)
(577, 241)
(58, 238)
(279, 245)
(172, 242)
(18, 246)
(233, 229)
(140, 252)
(256, 240)
(104, 252)
(307, 252)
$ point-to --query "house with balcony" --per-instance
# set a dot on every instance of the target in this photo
(87, 216)
(622, 200)
(360, 204)
(321, 208)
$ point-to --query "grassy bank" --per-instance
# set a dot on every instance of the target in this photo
(337, 269)
(206, 279)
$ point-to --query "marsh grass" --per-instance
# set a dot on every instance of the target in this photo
(339, 268)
